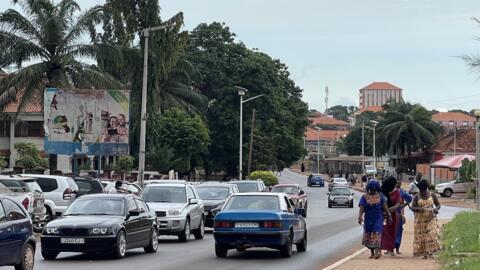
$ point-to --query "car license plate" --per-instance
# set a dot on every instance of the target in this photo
(246, 225)
(72, 240)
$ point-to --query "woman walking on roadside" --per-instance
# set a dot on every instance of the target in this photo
(406, 200)
(425, 206)
(389, 235)
(373, 205)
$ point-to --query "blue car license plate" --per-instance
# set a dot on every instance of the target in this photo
(246, 225)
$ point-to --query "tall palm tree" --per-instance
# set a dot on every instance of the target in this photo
(405, 128)
(50, 39)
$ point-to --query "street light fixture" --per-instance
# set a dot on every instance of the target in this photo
(242, 92)
(143, 114)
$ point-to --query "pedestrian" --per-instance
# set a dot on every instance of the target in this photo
(302, 167)
(364, 180)
(389, 235)
(425, 206)
(118, 188)
(413, 188)
(373, 209)
(406, 199)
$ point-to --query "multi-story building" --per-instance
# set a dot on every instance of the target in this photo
(379, 94)
(451, 121)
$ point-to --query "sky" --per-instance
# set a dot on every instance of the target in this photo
(347, 44)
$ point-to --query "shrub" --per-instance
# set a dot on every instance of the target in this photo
(267, 176)
(30, 157)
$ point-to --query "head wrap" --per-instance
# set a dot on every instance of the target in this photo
(388, 186)
(373, 185)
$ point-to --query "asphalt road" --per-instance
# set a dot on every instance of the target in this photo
(332, 233)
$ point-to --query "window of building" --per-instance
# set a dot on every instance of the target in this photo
(29, 129)
(4, 128)
(450, 123)
(465, 123)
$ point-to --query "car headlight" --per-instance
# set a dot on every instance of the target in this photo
(51, 230)
(101, 231)
(174, 212)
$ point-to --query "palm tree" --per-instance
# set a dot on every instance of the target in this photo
(49, 39)
(405, 128)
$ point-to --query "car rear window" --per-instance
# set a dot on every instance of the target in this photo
(253, 202)
(247, 187)
(89, 187)
(72, 183)
(15, 185)
(33, 185)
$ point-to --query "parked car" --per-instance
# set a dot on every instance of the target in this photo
(59, 191)
(295, 193)
(88, 186)
(102, 223)
(316, 180)
(455, 186)
(17, 243)
(130, 187)
(340, 196)
(214, 196)
(27, 191)
(179, 209)
(250, 185)
(259, 220)
(338, 182)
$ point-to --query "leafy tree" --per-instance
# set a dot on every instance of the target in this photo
(161, 158)
(405, 128)
(52, 34)
(267, 176)
(187, 135)
(124, 165)
(29, 156)
(341, 112)
(352, 143)
(281, 114)
(3, 163)
(460, 111)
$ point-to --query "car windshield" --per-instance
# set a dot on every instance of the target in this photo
(96, 206)
(316, 177)
(285, 189)
(165, 194)
(213, 193)
(340, 191)
(247, 187)
(15, 185)
(33, 185)
(340, 181)
(253, 202)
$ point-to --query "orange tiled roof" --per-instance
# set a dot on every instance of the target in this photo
(325, 135)
(369, 109)
(325, 120)
(381, 86)
(35, 105)
(465, 142)
(452, 116)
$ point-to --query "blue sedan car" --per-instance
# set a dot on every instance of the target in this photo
(17, 244)
(259, 220)
(316, 180)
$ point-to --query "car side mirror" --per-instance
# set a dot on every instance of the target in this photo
(302, 192)
(192, 201)
(299, 211)
(58, 214)
(134, 213)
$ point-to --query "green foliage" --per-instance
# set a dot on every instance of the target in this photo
(267, 176)
(85, 166)
(124, 164)
(3, 163)
(29, 156)
(341, 112)
(160, 158)
(461, 235)
(51, 33)
(466, 173)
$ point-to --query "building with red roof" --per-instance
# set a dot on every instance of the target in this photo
(379, 94)
(450, 121)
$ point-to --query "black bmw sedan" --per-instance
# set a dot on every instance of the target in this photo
(102, 223)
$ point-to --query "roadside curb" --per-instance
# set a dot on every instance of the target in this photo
(346, 259)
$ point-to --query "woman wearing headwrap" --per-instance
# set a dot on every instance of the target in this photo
(373, 206)
(389, 235)
(425, 206)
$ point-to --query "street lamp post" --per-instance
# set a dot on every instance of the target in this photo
(143, 114)
(318, 149)
(363, 146)
(242, 92)
(477, 159)
(374, 149)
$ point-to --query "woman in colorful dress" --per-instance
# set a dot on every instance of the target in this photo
(373, 208)
(425, 206)
(389, 235)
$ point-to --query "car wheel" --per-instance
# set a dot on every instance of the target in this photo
(153, 245)
(221, 251)
(185, 234)
(200, 232)
(49, 256)
(302, 246)
(329, 205)
(28, 259)
(121, 245)
(447, 192)
(241, 249)
(286, 250)
(351, 205)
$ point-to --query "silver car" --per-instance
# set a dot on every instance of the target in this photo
(178, 208)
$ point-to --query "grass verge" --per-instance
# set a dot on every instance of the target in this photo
(461, 242)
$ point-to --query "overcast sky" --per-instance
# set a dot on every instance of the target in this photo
(347, 44)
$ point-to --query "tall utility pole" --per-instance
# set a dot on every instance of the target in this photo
(455, 141)
(374, 150)
(363, 146)
(143, 115)
(477, 158)
(250, 150)
(318, 149)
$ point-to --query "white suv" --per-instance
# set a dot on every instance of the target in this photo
(59, 192)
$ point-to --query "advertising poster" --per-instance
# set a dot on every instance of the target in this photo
(90, 122)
